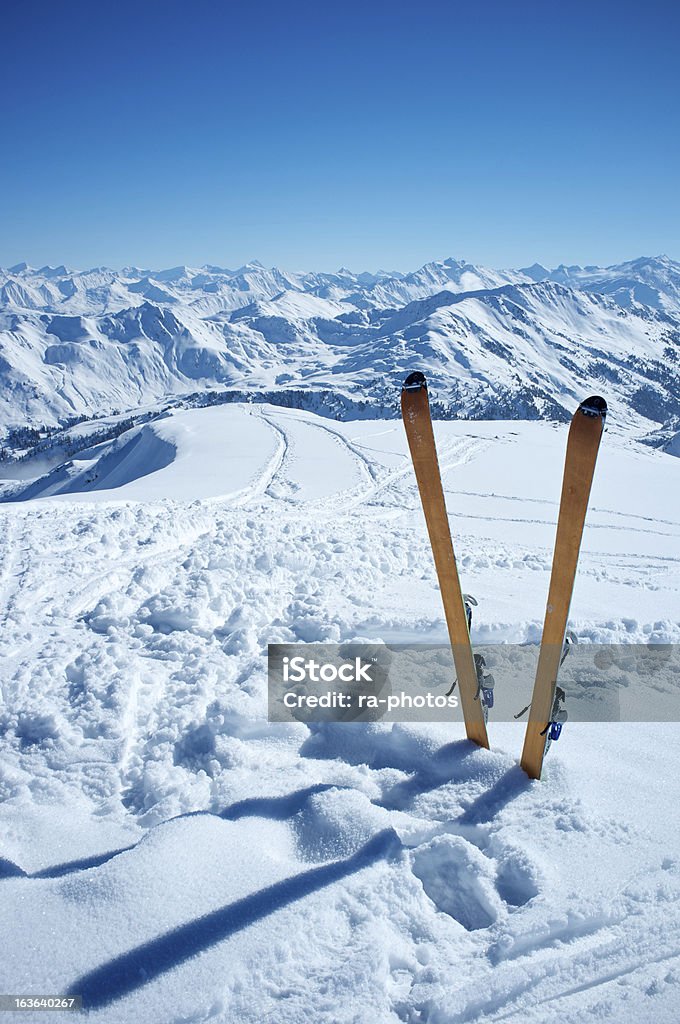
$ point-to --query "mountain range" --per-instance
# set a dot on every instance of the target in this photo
(521, 344)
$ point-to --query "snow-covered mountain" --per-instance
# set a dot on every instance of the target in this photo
(649, 281)
(513, 344)
(652, 281)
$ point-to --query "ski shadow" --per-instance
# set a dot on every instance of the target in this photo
(82, 864)
(448, 764)
(276, 808)
(485, 807)
(136, 968)
(8, 869)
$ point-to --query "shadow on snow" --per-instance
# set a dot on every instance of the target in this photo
(143, 964)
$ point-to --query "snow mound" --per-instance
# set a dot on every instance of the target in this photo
(189, 455)
(135, 454)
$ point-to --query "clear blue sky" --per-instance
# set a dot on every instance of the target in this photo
(312, 135)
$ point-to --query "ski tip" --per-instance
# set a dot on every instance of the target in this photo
(594, 406)
(415, 381)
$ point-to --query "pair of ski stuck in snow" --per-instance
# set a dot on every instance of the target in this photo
(583, 443)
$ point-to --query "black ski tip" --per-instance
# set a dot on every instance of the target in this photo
(415, 381)
(594, 406)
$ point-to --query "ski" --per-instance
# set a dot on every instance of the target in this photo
(583, 443)
(415, 410)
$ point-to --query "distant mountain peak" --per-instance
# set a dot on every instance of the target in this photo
(647, 261)
(536, 271)
(48, 271)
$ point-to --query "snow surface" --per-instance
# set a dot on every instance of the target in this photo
(173, 857)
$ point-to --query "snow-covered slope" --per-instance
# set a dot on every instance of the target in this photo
(169, 855)
(514, 350)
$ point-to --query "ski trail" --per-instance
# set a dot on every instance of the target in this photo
(307, 445)
(368, 465)
(11, 562)
(376, 481)
(553, 976)
(268, 472)
(593, 510)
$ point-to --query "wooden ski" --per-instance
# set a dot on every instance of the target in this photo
(583, 443)
(415, 410)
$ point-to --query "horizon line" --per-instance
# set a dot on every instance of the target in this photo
(22, 265)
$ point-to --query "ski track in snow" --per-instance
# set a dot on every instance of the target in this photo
(173, 840)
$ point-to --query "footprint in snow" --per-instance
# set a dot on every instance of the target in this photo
(459, 880)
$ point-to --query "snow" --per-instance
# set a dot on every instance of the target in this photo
(201, 453)
(170, 855)
(494, 343)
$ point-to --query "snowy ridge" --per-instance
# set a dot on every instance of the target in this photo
(647, 281)
(651, 281)
(494, 344)
(210, 289)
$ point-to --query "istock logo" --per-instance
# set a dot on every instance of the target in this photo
(360, 682)
(301, 670)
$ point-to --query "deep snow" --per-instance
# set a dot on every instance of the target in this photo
(173, 857)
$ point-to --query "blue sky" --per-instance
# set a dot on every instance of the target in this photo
(315, 135)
